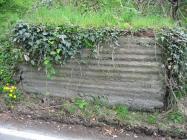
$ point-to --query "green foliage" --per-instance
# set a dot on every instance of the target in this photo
(16, 5)
(97, 4)
(121, 111)
(152, 119)
(81, 103)
(10, 12)
(174, 45)
(100, 101)
(8, 60)
(87, 107)
(70, 107)
(124, 17)
(50, 71)
(7, 19)
(128, 14)
(10, 101)
(48, 45)
(73, 16)
(12, 94)
(176, 117)
(151, 21)
(2, 2)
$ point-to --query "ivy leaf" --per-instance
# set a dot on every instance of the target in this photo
(46, 62)
(26, 57)
(58, 51)
(32, 62)
(162, 38)
(53, 53)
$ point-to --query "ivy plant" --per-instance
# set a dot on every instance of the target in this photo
(46, 45)
(174, 46)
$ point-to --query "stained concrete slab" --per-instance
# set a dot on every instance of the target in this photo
(130, 74)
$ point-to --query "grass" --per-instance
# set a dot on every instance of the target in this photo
(172, 119)
(11, 12)
(88, 109)
(97, 110)
(6, 21)
(73, 16)
(123, 18)
(151, 21)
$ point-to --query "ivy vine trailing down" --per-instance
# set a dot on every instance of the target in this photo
(55, 45)
(174, 45)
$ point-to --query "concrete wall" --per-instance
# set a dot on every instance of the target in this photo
(129, 75)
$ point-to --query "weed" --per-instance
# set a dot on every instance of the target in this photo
(100, 101)
(152, 119)
(81, 103)
(176, 117)
(180, 94)
(70, 107)
(121, 111)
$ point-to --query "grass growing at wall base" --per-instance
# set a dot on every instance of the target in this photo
(97, 111)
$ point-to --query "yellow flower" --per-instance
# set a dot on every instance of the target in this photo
(6, 88)
(14, 96)
(14, 88)
(11, 91)
(10, 94)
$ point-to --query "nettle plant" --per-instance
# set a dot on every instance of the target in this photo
(174, 45)
(48, 46)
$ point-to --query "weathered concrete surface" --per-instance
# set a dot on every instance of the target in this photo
(130, 75)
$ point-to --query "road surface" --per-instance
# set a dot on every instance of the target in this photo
(28, 129)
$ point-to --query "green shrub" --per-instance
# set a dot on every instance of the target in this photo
(8, 60)
(2, 2)
(174, 45)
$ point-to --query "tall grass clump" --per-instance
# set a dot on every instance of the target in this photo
(123, 17)
(73, 15)
(151, 21)
(11, 11)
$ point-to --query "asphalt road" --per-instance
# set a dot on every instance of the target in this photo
(20, 134)
(6, 137)
(28, 129)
